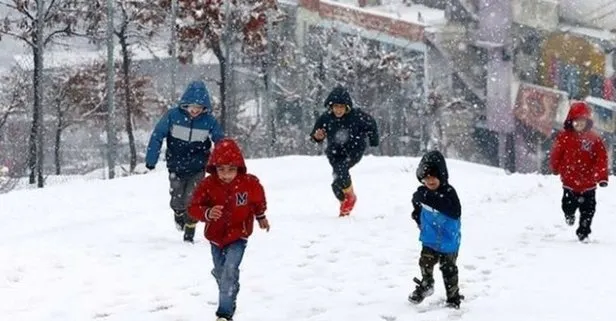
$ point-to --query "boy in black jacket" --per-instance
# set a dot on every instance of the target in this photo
(345, 129)
(437, 211)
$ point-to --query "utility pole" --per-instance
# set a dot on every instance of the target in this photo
(173, 49)
(111, 132)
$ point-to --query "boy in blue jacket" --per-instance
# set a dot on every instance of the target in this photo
(437, 212)
(189, 130)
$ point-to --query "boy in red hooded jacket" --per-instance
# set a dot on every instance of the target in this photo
(579, 157)
(228, 201)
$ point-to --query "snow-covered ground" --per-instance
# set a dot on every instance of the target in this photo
(108, 250)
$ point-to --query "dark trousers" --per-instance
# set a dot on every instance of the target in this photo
(429, 258)
(180, 189)
(342, 178)
(585, 202)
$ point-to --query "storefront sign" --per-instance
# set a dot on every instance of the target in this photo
(537, 106)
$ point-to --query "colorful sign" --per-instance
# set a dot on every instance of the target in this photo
(537, 106)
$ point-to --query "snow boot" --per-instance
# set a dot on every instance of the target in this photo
(179, 220)
(582, 237)
(348, 204)
(570, 219)
(189, 232)
(454, 301)
(423, 290)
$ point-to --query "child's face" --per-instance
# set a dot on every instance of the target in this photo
(339, 110)
(226, 173)
(580, 124)
(194, 110)
(431, 182)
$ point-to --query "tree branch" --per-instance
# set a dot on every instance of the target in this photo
(49, 10)
(21, 10)
(20, 37)
(6, 115)
(66, 30)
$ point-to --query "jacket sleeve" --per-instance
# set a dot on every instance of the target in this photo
(416, 215)
(370, 128)
(200, 202)
(161, 130)
(259, 203)
(216, 130)
(320, 124)
(601, 159)
(446, 201)
(556, 154)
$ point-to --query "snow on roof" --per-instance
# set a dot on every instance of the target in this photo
(59, 59)
(395, 9)
(414, 13)
(596, 13)
(600, 34)
(601, 102)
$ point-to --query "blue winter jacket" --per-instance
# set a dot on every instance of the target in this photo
(437, 212)
(188, 140)
(439, 231)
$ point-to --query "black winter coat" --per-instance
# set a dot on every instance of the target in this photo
(347, 135)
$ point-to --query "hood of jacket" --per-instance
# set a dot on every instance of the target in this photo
(226, 152)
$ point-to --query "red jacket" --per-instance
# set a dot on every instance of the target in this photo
(579, 158)
(243, 199)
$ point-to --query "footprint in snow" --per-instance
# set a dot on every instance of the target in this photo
(101, 315)
(161, 307)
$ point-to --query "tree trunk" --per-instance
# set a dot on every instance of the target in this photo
(35, 155)
(57, 146)
(222, 61)
(128, 103)
(270, 112)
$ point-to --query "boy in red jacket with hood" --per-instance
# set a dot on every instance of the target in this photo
(580, 158)
(228, 201)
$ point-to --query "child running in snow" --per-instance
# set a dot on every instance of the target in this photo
(579, 157)
(345, 129)
(437, 212)
(189, 130)
(228, 201)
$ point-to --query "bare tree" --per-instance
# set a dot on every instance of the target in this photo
(138, 23)
(220, 25)
(37, 23)
(73, 98)
(14, 89)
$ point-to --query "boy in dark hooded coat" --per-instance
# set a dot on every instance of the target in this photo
(345, 129)
(437, 211)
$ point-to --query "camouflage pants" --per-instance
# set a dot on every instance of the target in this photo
(429, 258)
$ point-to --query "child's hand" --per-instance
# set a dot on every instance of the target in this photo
(215, 212)
(264, 224)
(319, 134)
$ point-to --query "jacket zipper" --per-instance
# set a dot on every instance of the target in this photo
(190, 130)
